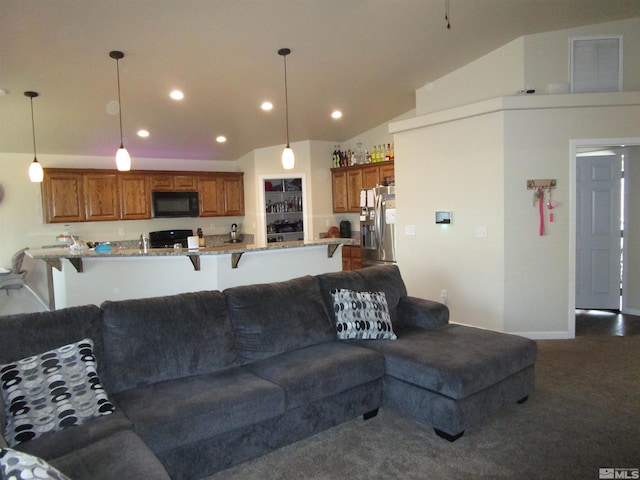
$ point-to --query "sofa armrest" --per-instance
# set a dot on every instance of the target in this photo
(419, 312)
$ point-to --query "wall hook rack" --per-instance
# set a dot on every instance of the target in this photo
(544, 183)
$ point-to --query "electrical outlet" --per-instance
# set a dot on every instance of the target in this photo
(410, 230)
(121, 231)
(444, 296)
(327, 223)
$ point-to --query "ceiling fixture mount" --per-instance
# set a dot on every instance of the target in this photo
(35, 169)
(288, 159)
(446, 14)
(123, 159)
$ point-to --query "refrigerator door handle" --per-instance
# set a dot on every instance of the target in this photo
(379, 226)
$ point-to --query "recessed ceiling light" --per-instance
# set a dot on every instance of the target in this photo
(221, 139)
(176, 95)
(336, 114)
(143, 133)
(266, 106)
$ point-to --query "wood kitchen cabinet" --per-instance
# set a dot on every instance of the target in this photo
(233, 194)
(354, 185)
(135, 196)
(348, 181)
(351, 257)
(339, 189)
(79, 195)
(62, 196)
(221, 194)
(174, 183)
(101, 199)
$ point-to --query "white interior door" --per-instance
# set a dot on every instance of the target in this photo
(598, 250)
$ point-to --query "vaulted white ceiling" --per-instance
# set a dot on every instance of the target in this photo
(364, 57)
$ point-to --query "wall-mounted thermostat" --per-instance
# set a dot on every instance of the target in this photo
(443, 217)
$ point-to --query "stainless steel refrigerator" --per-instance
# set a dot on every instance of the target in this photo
(378, 225)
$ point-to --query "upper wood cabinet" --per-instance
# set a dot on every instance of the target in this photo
(62, 196)
(135, 196)
(339, 188)
(101, 199)
(233, 194)
(79, 195)
(174, 183)
(221, 194)
(210, 196)
(348, 181)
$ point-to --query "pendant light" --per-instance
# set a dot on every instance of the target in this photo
(123, 160)
(288, 159)
(36, 174)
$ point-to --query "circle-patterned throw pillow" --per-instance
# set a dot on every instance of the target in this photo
(16, 465)
(52, 391)
(362, 315)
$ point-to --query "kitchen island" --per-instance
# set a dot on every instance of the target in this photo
(85, 276)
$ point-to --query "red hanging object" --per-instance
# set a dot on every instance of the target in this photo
(541, 210)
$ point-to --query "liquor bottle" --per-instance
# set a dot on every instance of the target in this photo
(374, 155)
(387, 153)
(392, 154)
(367, 156)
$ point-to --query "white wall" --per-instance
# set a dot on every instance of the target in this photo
(457, 167)
(547, 54)
(496, 74)
(476, 161)
(531, 61)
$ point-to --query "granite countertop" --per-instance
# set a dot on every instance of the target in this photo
(238, 248)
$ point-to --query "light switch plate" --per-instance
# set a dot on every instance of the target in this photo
(410, 230)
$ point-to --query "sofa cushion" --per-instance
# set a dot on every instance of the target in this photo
(122, 456)
(185, 410)
(72, 439)
(30, 334)
(154, 339)
(269, 319)
(379, 278)
(455, 360)
(19, 465)
(361, 315)
(319, 371)
(52, 391)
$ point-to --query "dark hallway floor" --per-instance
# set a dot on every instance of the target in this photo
(606, 322)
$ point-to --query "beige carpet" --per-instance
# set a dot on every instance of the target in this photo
(584, 415)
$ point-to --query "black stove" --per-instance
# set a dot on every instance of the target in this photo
(168, 238)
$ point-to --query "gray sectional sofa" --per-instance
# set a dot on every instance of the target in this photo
(201, 381)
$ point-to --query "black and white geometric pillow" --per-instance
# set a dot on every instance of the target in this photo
(52, 391)
(16, 465)
(362, 315)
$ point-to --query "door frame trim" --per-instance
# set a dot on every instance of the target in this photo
(574, 145)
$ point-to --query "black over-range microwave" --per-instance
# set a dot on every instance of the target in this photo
(175, 204)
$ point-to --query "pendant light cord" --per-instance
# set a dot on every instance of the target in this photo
(286, 98)
(119, 101)
(33, 130)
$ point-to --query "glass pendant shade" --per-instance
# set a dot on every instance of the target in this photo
(123, 159)
(36, 174)
(288, 160)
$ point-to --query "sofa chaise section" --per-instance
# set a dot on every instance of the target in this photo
(446, 375)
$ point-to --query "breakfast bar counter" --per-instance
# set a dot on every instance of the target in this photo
(94, 277)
